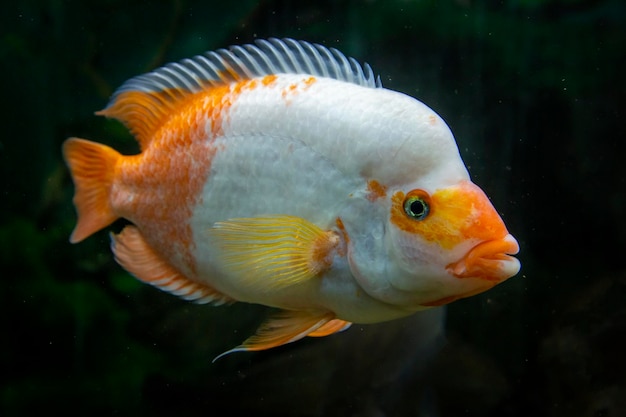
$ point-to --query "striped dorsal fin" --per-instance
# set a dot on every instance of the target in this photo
(144, 102)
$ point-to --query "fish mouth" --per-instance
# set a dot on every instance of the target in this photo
(490, 261)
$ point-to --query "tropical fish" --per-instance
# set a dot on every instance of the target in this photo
(282, 173)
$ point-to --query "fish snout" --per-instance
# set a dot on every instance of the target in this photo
(490, 260)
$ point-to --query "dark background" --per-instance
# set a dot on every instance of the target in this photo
(535, 93)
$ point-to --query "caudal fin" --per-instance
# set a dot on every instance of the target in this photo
(92, 167)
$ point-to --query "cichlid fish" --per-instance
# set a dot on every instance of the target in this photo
(283, 174)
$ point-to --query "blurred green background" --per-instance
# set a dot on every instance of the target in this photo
(535, 94)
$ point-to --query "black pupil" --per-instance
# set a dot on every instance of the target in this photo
(417, 208)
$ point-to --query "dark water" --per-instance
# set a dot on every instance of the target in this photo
(535, 93)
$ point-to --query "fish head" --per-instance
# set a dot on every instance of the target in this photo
(448, 244)
(441, 245)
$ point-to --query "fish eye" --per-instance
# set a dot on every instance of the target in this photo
(417, 205)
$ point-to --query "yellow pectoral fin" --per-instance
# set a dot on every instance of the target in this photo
(274, 251)
(286, 327)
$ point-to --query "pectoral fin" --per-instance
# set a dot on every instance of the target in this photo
(286, 327)
(274, 251)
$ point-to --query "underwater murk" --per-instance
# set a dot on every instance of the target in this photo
(320, 243)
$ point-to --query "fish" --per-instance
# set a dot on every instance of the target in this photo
(283, 173)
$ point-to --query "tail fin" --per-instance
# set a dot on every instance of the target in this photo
(92, 167)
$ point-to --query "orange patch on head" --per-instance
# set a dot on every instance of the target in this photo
(432, 119)
(375, 190)
(456, 214)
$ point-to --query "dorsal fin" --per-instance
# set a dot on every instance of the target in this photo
(143, 102)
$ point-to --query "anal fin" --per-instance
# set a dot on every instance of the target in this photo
(136, 256)
(333, 326)
(286, 327)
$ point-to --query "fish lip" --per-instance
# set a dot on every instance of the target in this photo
(490, 260)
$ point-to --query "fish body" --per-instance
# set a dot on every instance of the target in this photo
(283, 174)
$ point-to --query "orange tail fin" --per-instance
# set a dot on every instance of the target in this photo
(92, 167)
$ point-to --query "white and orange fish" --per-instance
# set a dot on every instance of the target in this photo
(283, 174)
